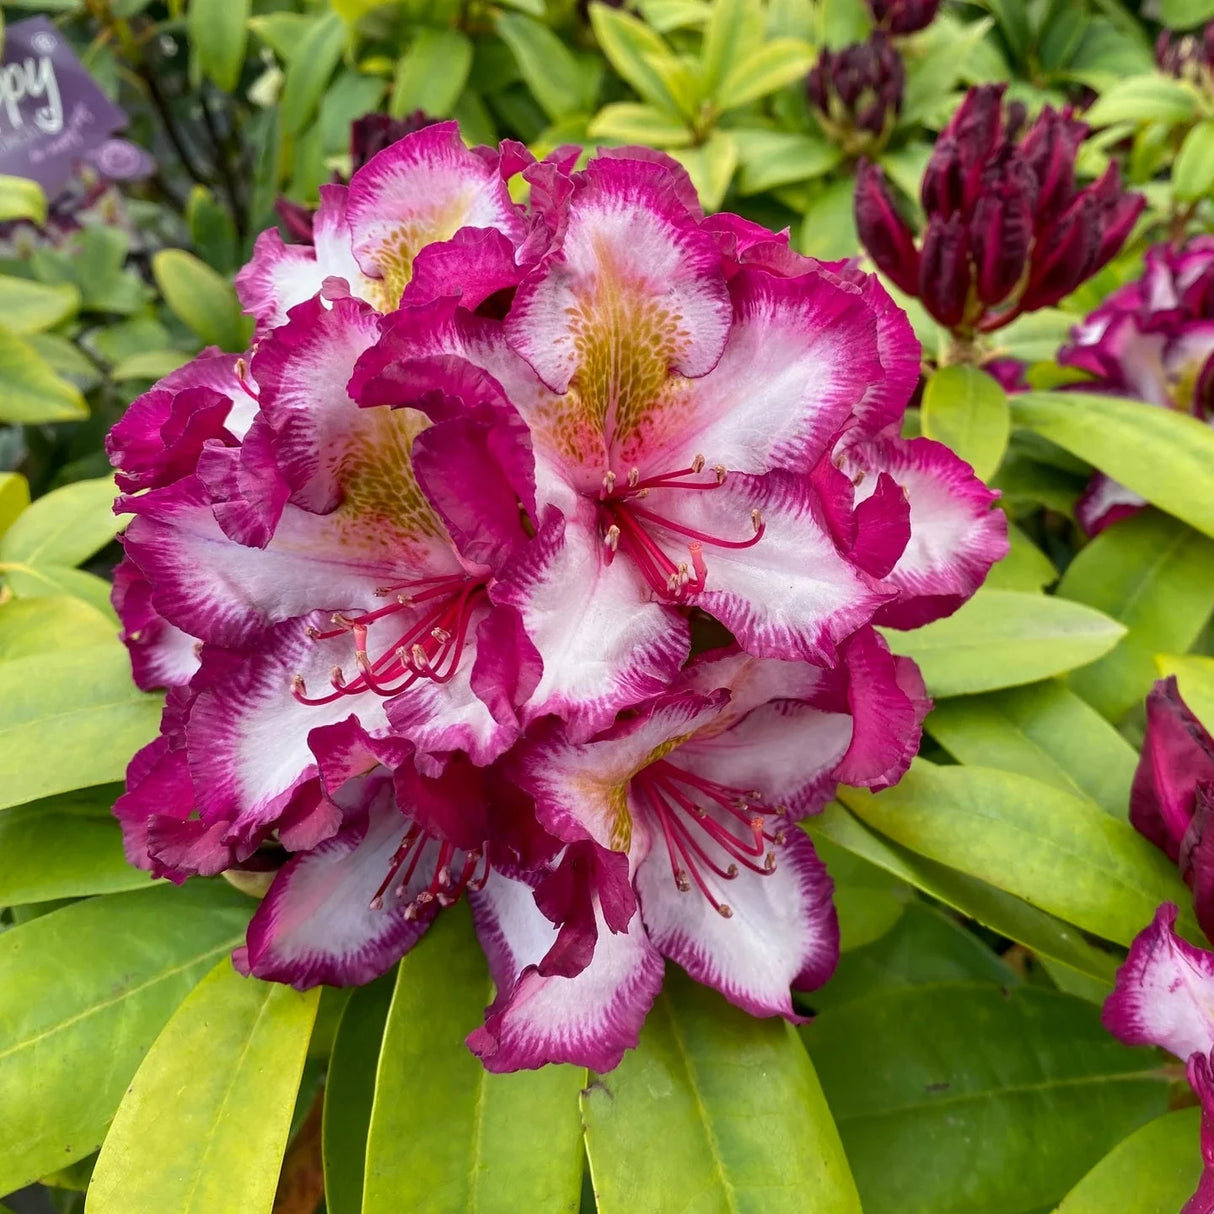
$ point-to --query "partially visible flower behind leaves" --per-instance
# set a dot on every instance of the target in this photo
(1008, 228)
(1151, 340)
(857, 93)
(424, 571)
(1188, 56)
(903, 16)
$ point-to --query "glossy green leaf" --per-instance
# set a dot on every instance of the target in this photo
(201, 299)
(770, 66)
(733, 31)
(316, 55)
(965, 409)
(30, 307)
(868, 900)
(1156, 576)
(446, 1134)
(41, 581)
(828, 229)
(221, 1150)
(83, 993)
(926, 945)
(1060, 852)
(631, 122)
(1025, 567)
(433, 72)
(64, 847)
(556, 78)
(1159, 453)
(735, 1106)
(965, 1097)
(65, 526)
(1003, 638)
(931, 77)
(773, 158)
(1193, 172)
(710, 166)
(21, 198)
(1045, 731)
(1153, 1171)
(630, 45)
(349, 1092)
(14, 498)
(33, 393)
(69, 720)
(1144, 99)
(218, 31)
(41, 625)
(1195, 677)
(151, 364)
(1004, 913)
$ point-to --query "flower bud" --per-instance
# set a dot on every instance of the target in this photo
(1188, 56)
(903, 16)
(1049, 149)
(1001, 231)
(857, 93)
(944, 273)
(883, 232)
(371, 133)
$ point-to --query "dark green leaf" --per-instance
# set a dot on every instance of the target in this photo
(735, 1106)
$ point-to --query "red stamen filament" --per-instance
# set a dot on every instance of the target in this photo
(443, 887)
(624, 521)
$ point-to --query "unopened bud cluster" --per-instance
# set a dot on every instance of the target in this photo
(857, 93)
(903, 16)
(1188, 56)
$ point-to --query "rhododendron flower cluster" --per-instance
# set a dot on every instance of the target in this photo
(857, 92)
(1165, 991)
(1152, 340)
(532, 555)
(1008, 229)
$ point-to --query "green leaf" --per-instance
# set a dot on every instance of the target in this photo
(1045, 731)
(212, 231)
(1003, 638)
(1185, 14)
(630, 46)
(965, 409)
(557, 80)
(868, 900)
(735, 1106)
(65, 527)
(828, 230)
(201, 299)
(29, 307)
(151, 364)
(68, 720)
(56, 622)
(33, 393)
(772, 158)
(768, 67)
(221, 1150)
(349, 1091)
(1154, 575)
(1025, 567)
(21, 198)
(667, 15)
(1193, 172)
(1153, 1171)
(1059, 852)
(65, 847)
(1195, 677)
(932, 77)
(1148, 98)
(926, 945)
(14, 497)
(844, 22)
(917, 1077)
(316, 55)
(710, 166)
(432, 73)
(734, 30)
(218, 31)
(445, 1133)
(42, 581)
(631, 122)
(1003, 913)
(88, 987)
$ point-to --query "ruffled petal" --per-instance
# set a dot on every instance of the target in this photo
(161, 654)
(417, 192)
(317, 925)
(603, 645)
(1164, 993)
(587, 1020)
(955, 535)
(781, 932)
(1105, 502)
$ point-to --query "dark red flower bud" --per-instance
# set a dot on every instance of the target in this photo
(371, 133)
(1001, 232)
(1049, 148)
(883, 232)
(977, 126)
(817, 83)
(903, 16)
(942, 190)
(1066, 255)
(944, 272)
(1118, 214)
(858, 89)
(296, 218)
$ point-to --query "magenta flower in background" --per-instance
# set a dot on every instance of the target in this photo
(1152, 340)
(1008, 229)
(425, 570)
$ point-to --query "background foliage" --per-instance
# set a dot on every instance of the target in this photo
(956, 1063)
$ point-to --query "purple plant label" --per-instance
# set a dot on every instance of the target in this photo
(52, 112)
